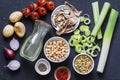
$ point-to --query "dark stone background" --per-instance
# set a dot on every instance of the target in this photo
(27, 72)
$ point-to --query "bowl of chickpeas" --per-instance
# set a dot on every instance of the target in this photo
(83, 64)
(56, 49)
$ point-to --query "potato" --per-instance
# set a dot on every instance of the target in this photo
(20, 29)
(15, 16)
(8, 31)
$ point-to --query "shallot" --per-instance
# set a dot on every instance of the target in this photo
(9, 54)
(14, 44)
(13, 65)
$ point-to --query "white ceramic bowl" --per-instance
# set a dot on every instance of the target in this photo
(89, 70)
(56, 38)
(55, 12)
(47, 64)
(62, 67)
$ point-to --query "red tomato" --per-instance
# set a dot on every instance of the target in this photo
(41, 2)
(50, 5)
(26, 11)
(34, 16)
(33, 6)
(42, 11)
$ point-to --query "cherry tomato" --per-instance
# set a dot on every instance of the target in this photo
(42, 11)
(41, 2)
(26, 11)
(34, 16)
(33, 6)
(50, 5)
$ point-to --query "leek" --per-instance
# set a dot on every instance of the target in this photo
(107, 40)
(95, 8)
(100, 21)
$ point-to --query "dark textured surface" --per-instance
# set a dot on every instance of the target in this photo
(27, 72)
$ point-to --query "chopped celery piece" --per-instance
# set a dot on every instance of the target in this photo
(95, 8)
(90, 39)
(88, 44)
(84, 28)
(77, 31)
(89, 51)
(96, 48)
(87, 32)
(93, 54)
(83, 52)
(75, 42)
(87, 21)
(85, 46)
(78, 48)
(107, 40)
(76, 37)
(70, 41)
(86, 15)
(84, 39)
(82, 19)
(101, 19)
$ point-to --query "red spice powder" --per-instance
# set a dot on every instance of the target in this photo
(62, 74)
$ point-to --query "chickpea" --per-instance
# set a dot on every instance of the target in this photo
(50, 43)
(56, 50)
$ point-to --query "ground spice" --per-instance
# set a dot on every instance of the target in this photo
(62, 74)
(42, 67)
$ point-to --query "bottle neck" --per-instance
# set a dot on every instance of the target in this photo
(41, 28)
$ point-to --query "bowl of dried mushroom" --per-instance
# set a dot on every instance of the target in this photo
(56, 49)
(65, 18)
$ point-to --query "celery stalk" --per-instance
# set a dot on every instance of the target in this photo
(95, 8)
(107, 40)
(101, 19)
(99, 35)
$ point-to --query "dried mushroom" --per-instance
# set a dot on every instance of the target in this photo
(65, 19)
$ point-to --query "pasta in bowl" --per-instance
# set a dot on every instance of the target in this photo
(83, 64)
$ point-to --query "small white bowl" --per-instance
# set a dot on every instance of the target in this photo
(46, 63)
(89, 70)
(63, 67)
(55, 12)
(56, 38)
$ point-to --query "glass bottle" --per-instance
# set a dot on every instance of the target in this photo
(32, 46)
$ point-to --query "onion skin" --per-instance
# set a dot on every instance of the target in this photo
(9, 54)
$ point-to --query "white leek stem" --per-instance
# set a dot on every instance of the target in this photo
(107, 40)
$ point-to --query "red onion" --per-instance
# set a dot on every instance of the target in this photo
(9, 54)
(14, 44)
